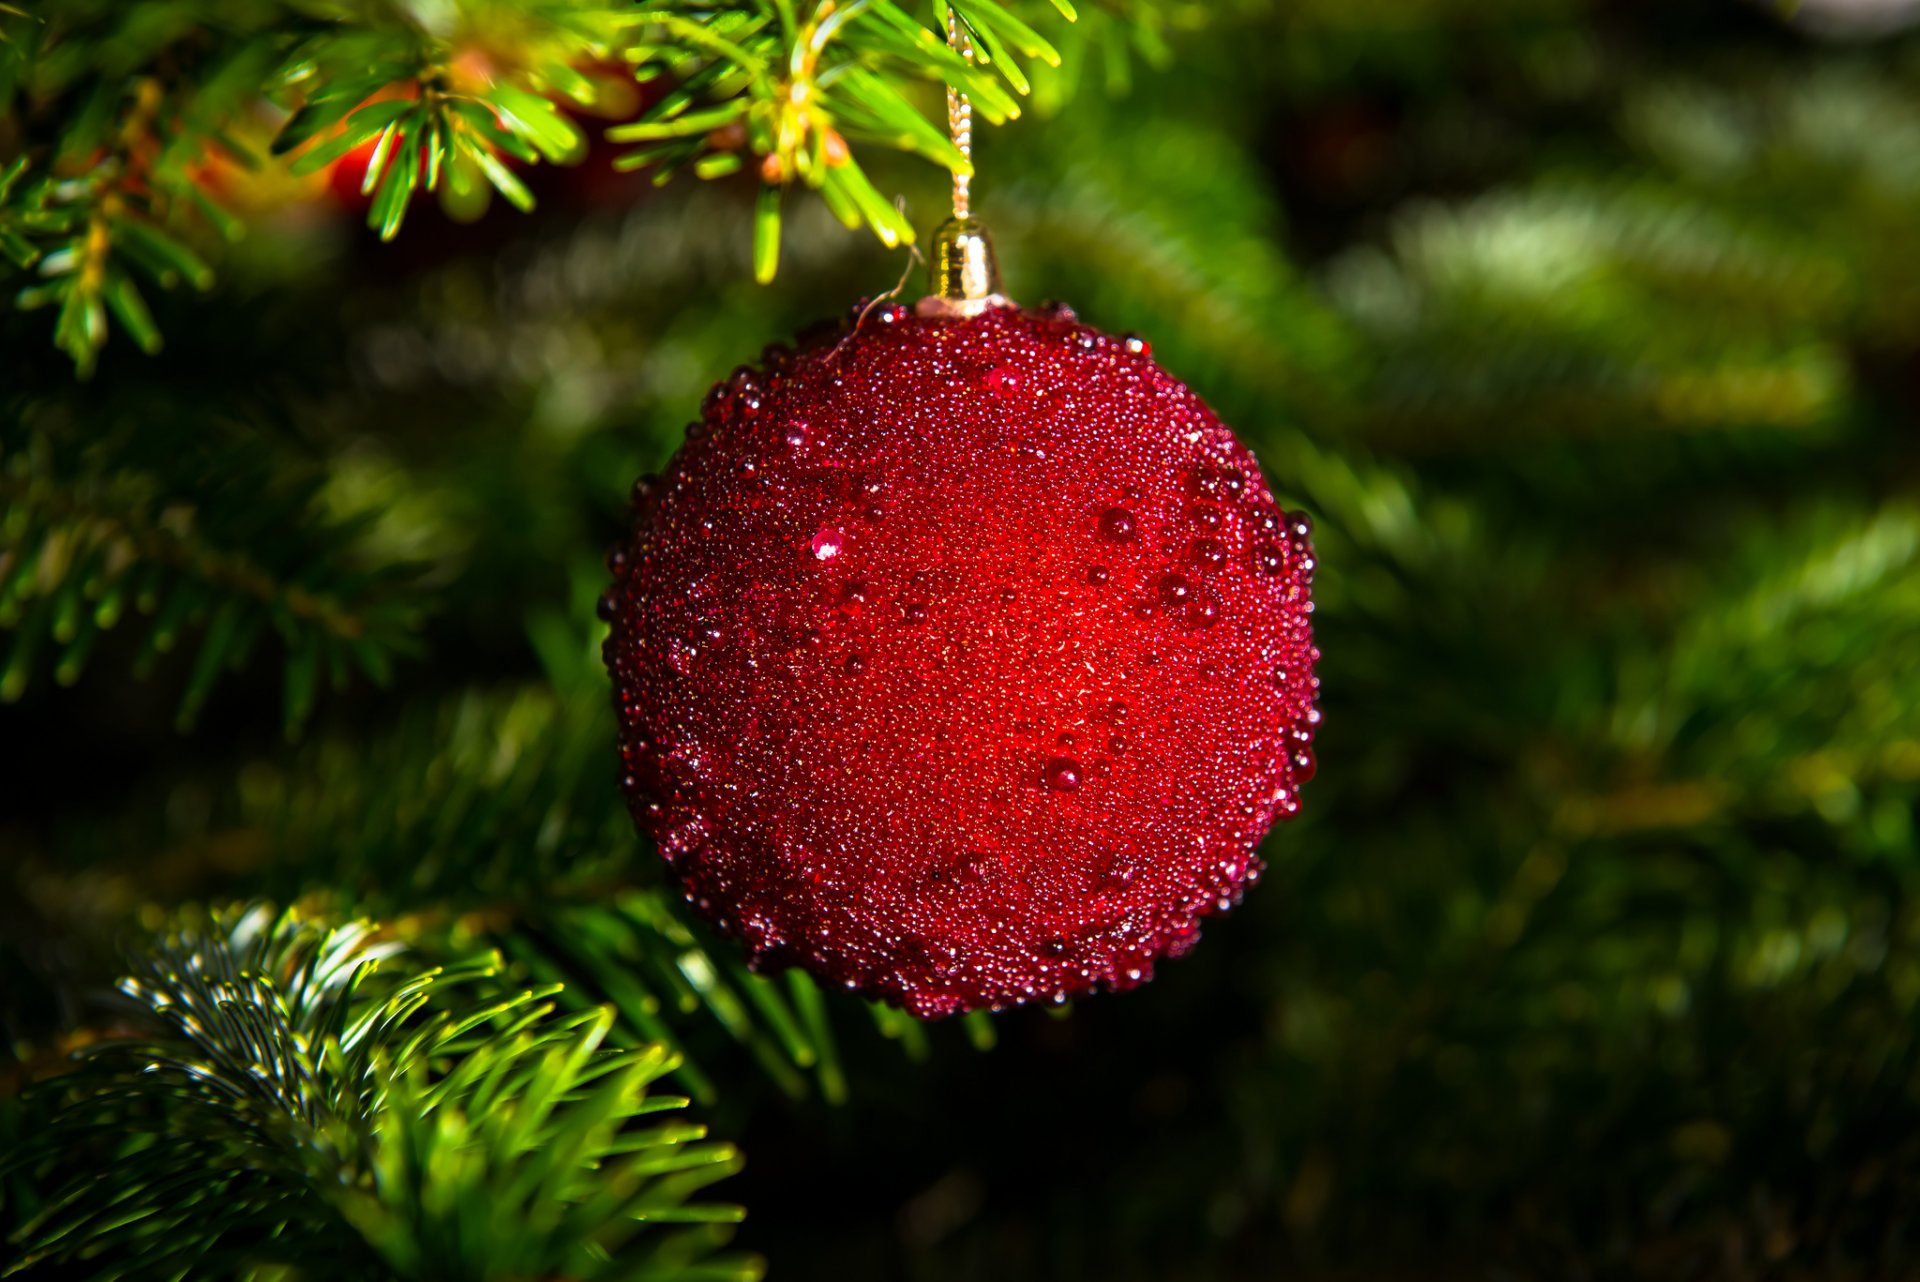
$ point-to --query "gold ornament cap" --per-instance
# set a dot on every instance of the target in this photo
(965, 271)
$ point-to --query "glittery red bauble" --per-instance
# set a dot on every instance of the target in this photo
(962, 661)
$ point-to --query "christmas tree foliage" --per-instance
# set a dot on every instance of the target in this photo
(335, 333)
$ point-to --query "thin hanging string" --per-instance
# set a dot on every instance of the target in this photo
(960, 119)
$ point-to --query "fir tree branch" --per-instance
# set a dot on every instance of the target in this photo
(300, 1098)
(1741, 224)
(1803, 653)
(450, 100)
(94, 528)
(114, 190)
(456, 100)
(496, 818)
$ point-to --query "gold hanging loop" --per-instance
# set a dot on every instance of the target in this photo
(965, 272)
(960, 122)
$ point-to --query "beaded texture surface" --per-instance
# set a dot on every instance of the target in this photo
(963, 662)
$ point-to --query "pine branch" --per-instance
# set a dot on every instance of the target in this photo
(796, 89)
(671, 983)
(1802, 655)
(131, 117)
(1506, 310)
(301, 1098)
(115, 192)
(1740, 226)
(495, 817)
(451, 102)
(93, 528)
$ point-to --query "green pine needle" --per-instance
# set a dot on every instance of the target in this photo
(292, 1095)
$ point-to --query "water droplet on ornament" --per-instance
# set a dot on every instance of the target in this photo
(1118, 526)
(684, 835)
(1009, 594)
(1299, 525)
(1143, 609)
(1174, 589)
(1207, 516)
(855, 665)
(1117, 710)
(798, 436)
(607, 607)
(1062, 774)
(1086, 340)
(643, 489)
(1269, 560)
(1057, 310)
(854, 593)
(826, 544)
(914, 612)
(890, 314)
(1138, 345)
(1202, 612)
(617, 561)
(1003, 380)
(1208, 553)
(1055, 948)
(1097, 575)
(1304, 765)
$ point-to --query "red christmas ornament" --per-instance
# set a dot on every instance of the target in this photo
(962, 659)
